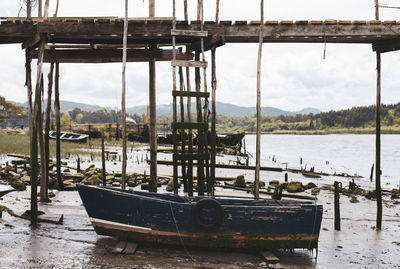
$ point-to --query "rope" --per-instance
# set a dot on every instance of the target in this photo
(177, 229)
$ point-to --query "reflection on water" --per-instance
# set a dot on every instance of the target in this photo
(352, 154)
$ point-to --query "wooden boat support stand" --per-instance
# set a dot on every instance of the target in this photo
(171, 219)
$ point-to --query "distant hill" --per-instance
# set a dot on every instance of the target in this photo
(224, 109)
(228, 110)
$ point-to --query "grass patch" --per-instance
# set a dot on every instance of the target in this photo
(20, 144)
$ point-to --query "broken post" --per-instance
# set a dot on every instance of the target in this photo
(337, 206)
(47, 123)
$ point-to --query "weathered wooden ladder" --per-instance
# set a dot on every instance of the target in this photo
(188, 151)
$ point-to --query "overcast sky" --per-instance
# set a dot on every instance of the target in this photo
(294, 76)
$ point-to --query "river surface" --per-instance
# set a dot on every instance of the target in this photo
(340, 153)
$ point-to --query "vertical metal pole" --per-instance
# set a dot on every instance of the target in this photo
(153, 112)
(125, 41)
(258, 138)
(378, 133)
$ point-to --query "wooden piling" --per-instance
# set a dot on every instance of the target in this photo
(43, 167)
(213, 120)
(200, 165)
(125, 41)
(372, 173)
(103, 160)
(78, 165)
(378, 134)
(183, 133)
(28, 9)
(337, 206)
(58, 125)
(47, 123)
(153, 112)
(258, 137)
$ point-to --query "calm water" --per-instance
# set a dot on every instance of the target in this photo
(352, 154)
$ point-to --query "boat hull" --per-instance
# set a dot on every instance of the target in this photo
(246, 225)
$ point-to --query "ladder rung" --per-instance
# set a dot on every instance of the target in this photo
(195, 33)
(190, 156)
(189, 125)
(189, 63)
(191, 94)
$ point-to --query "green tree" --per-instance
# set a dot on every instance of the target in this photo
(65, 119)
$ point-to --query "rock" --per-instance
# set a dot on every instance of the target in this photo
(51, 194)
(110, 178)
(274, 182)
(53, 184)
(89, 168)
(310, 185)
(92, 180)
(26, 179)
(70, 187)
(78, 177)
(371, 195)
(170, 186)
(315, 191)
(238, 182)
(354, 199)
(18, 184)
(144, 186)
(295, 186)
(66, 170)
(116, 184)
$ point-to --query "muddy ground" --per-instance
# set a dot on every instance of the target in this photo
(74, 244)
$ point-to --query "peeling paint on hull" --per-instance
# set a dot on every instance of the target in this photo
(167, 219)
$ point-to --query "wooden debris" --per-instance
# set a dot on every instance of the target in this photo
(269, 257)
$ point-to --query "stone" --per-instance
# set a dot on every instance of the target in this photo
(310, 185)
(295, 186)
(18, 184)
(238, 182)
(315, 191)
(354, 199)
(116, 184)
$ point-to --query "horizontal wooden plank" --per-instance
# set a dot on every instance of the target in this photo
(199, 64)
(189, 125)
(191, 94)
(175, 32)
(190, 156)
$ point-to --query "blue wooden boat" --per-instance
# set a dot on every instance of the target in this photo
(202, 222)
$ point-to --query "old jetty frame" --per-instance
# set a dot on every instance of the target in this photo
(99, 40)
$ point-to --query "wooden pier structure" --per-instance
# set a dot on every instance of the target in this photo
(100, 40)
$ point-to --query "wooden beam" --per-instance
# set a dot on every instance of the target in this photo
(106, 55)
(32, 43)
(383, 46)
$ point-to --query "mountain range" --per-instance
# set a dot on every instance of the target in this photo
(225, 109)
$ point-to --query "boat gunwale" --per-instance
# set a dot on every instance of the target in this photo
(194, 200)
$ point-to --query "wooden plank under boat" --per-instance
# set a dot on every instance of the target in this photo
(202, 222)
(69, 137)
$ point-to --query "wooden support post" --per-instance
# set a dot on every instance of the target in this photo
(46, 9)
(213, 121)
(200, 135)
(378, 134)
(153, 113)
(125, 41)
(39, 8)
(28, 84)
(337, 206)
(183, 133)
(43, 168)
(47, 123)
(189, 112)
(103, 160)
(217, 12)
(174, 111)
(78, 165)
(199, 5)
(258, 137)
(33, 142)
(28, 9)
(58, 125)
(371, 176)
